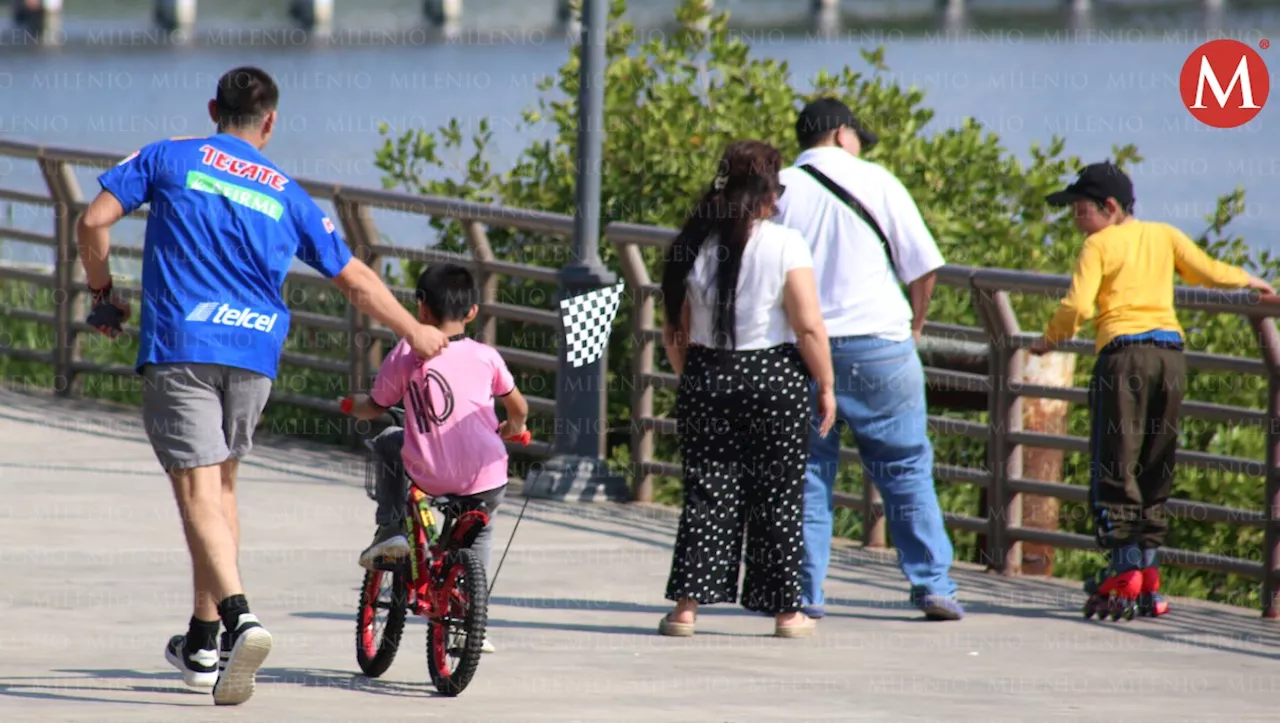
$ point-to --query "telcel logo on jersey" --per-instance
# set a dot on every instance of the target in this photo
(245, 318)
(1244, 94)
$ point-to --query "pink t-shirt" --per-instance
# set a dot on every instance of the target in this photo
(451, 442)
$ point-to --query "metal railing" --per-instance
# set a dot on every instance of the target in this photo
(1004, 434)
(1000, 333)
(352, 207)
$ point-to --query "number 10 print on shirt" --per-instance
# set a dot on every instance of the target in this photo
(429, 409)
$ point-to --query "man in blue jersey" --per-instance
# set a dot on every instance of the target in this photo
(224, 227)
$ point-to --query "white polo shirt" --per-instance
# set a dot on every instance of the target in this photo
(761, 320)
(856, 286)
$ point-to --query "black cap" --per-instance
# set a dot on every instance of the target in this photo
(828, 114)
(1097, 182)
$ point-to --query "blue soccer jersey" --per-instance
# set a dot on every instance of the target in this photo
(223, 229)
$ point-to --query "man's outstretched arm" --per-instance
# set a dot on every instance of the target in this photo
(322, 248)
(362, 287)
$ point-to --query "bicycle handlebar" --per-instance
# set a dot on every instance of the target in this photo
(397, 416)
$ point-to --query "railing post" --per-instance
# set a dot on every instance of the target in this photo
(66, 194)
(642, 324)
(1004, 458)
(360, 232)
(482, 252)
(1046, 416)
(176, 16)
(41, 18)
(1269, 341)
(314, 15)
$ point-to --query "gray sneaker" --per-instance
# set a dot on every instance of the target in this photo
(936, 607)
(389, 544)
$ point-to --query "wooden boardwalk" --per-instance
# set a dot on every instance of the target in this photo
(95, 580)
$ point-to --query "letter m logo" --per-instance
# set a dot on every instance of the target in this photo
(1231, 104)
(1207, 77)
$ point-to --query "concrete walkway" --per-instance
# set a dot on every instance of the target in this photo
(94, 578)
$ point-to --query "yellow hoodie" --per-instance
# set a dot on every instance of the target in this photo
(1125, 274)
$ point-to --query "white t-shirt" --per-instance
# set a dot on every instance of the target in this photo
(857, 288)
(771, 252)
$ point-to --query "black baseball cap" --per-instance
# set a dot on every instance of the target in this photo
(828, 114)
(1097, 182)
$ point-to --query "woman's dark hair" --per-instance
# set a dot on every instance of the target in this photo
(744, 189)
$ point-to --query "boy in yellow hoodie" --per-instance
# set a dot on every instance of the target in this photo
(1123, 280)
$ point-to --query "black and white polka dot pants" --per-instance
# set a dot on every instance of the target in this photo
(744, 440)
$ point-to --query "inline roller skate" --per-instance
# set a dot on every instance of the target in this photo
(1113, 594)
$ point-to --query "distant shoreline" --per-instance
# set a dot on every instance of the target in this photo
(143, 37)
(757, 22)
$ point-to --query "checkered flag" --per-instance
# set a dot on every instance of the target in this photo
(588, 318)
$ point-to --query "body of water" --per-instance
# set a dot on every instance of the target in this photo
(1102, 80)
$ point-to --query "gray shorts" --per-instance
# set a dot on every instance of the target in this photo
(198, 415)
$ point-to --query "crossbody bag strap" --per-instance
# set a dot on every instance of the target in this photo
(854, 205)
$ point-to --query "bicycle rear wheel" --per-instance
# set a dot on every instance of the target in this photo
(376, 650)
(454, 639)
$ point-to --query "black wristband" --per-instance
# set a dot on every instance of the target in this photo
(103, 294)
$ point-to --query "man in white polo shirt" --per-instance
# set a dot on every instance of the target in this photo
(837, 200)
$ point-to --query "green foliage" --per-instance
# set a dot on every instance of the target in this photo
(674, 101)
(279, 417)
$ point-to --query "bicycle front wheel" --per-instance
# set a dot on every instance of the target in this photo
(376, 645)
(455, 637)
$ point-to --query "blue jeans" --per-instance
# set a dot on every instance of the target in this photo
(880, 395)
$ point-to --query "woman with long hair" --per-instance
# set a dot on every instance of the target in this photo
(744, 332)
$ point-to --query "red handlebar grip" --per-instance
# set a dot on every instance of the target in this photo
(346, 405)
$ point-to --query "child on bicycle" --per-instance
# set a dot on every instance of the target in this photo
(1124, 275)
(452, 443)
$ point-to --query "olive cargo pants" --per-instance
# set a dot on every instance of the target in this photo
(1135, 398)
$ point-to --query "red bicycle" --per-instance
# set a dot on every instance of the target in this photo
(442, 580)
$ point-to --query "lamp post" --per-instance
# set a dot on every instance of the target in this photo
(577, 469)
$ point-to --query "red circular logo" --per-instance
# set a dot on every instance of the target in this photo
(1224, 83)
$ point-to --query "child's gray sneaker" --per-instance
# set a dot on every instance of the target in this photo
(389, 544)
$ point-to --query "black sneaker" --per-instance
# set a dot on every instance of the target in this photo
(243, 651)
(199, 669)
